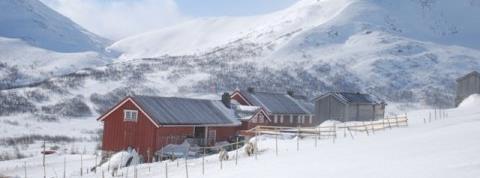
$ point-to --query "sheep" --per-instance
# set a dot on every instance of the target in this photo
(250, 148)
(223, 155)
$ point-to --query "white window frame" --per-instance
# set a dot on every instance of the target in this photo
(281, 119)
(130, 115)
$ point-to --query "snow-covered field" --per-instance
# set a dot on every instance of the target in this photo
(447, 147)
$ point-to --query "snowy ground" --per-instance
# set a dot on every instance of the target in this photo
(442, 148)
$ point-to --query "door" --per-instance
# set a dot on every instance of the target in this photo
(129, 135)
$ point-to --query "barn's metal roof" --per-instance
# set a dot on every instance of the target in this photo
(186, 111)
(355, 98)
(474, 73)
(277, 103)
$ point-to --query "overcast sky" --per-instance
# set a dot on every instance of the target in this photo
(116, 19)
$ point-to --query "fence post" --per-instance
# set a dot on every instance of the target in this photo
(43, 160)
(256, 144)
(65, 167)
(81, 164)
(383, 123)
(276, 144)
(316, 136)
(389, 123)
(372, 125)
(429, 117)
(186, 161)
(365, 127)
(203, 161)
(334, 132)
(396, 120)
(25, 167)
(298, 138)
(236, 153)
(166, 169)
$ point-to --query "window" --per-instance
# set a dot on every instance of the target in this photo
(254, 120)
(130, 115)
(260, 118)
(281, 118)
(275, 118)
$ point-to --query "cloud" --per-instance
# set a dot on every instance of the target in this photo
(117, 19)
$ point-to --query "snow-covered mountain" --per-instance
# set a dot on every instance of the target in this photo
(37, 43)
(402, 51)
(40, 26)
(318, 22)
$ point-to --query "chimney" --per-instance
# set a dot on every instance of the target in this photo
(250, 89)
(226, 100)
(290, 92)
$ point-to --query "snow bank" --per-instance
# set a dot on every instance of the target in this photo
(473, 101)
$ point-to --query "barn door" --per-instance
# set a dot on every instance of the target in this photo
(212, 136)
(129, 135)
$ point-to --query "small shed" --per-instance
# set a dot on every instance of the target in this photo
(467, 85)
(345, 106)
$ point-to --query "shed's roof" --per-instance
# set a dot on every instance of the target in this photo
(186, 111)
(355, 98)
(277, 103)
(474, 73)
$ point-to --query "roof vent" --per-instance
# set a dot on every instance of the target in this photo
(290, 92)
(226, 100)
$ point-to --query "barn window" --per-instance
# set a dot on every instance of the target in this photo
(130, 115)
(260, 118)
(255, 120)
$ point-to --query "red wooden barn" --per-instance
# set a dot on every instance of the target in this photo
(148, 123)
(283, 109)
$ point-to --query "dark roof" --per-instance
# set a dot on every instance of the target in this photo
(474, 73)
(355, 98)
(186, 111)
(277, 103)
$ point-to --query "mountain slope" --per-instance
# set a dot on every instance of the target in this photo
(40, 26)
(439, 21)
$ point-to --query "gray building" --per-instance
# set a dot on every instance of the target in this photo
(344, 106)
(467, 85)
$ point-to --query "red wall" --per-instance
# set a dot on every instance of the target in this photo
(119, 135)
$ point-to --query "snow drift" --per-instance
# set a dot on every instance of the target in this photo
(471, 102)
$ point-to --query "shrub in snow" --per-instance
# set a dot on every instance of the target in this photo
(74, 107)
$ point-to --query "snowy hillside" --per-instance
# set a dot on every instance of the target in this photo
(23, 64)
(446, 147)
(40, 26)
(321, 23)
(37, 43)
